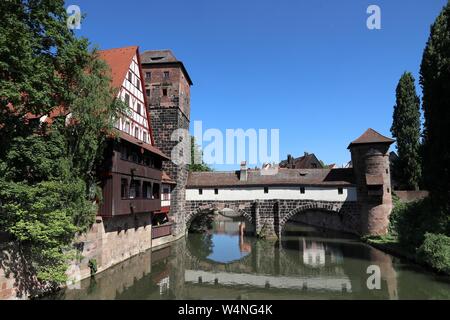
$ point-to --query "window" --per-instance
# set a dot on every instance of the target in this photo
(138, 83)
(130, 76)
(124, 188)
(147, 92)
(166, 193)
(166, 75)
(200, 191)
(138, 108)
(135, 188)
(136, 133)
(266, 189)
(156, 191)
(147, 190)
(216, 191)
(127, 127)
(124, 153)
(148, 75)
(302, 190)
(387, 171)
(340, 191)
(127, 99)
(164, 92)
(144, 136)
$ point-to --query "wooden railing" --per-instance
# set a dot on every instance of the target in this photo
(162, 230)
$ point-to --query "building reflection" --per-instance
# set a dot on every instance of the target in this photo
(301, 267)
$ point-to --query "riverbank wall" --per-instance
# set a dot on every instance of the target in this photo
(108, 242)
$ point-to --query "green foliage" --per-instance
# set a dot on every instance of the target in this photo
(406, 129)
(435, 80)
(92, 264)
(47, 173)
(411, 221)
(197, 164)
(435, 251)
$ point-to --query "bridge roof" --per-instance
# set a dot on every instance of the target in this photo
(306, 177)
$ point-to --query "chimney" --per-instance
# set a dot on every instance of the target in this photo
(243, 172)
(289, 159)
(306, 153)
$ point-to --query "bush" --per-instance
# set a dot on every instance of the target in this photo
(411, 221)
(435, 251)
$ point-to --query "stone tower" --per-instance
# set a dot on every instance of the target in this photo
(167, 87)
(370, 160)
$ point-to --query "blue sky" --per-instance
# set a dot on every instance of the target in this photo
(309, 68)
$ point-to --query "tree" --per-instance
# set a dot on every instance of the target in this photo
(406, 129)
(435, 82)
(47, 172)
(197, 163)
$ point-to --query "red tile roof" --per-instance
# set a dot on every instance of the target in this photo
(167, 179)
(371, 136)
(119, 61)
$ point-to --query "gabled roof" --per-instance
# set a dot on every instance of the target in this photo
(303, 162)
(119, 61)
(371, 136)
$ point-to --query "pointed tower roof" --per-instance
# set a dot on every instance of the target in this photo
(163, 57)
(119, 60)
(371, 136)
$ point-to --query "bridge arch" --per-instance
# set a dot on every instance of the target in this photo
(242, 211)
(332, 209)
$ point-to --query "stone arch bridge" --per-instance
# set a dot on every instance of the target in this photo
(268, 217)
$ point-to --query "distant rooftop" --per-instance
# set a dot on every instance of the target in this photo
(371, 136)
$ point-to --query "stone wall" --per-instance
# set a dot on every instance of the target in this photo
(409, 196)
(109, 242)
(164, 122)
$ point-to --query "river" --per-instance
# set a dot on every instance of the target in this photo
(220, 264)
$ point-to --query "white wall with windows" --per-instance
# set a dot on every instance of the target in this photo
(165, 195)
(272, 192)
(135, 123)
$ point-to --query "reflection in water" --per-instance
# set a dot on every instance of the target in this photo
(223, 263)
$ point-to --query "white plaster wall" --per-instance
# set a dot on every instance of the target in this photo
(283, 193)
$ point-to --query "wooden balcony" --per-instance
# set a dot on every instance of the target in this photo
(162, 230)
